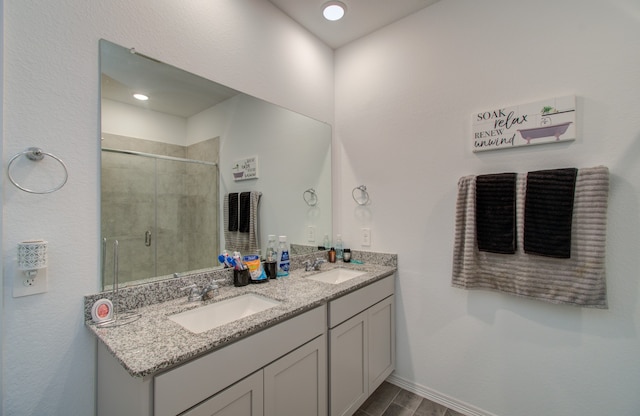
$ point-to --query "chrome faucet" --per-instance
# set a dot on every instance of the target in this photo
(308, 266)
(208, 292)
(211, 290)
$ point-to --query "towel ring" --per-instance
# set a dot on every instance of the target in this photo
(310, 197)
(36, 154)
(364, 200)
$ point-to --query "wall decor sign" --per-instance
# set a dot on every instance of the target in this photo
(547, 121)
(245, 169)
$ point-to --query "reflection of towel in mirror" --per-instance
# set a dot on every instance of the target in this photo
(245, 242)
(232, 208)
(496, 213)
(245, 212)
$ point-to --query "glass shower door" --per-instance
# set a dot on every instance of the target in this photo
(163, 212)
(187, 201)
(129, 215)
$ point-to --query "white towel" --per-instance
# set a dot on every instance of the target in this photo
(579, 280)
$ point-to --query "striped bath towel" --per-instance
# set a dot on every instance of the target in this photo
(578, 280)
(246, 242)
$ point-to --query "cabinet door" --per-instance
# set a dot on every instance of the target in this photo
(245, 398)
(296, 384)
(382, 342)
(348, 371)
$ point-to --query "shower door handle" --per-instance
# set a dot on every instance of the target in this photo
(147, 238)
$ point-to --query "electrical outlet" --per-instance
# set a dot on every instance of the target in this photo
(311, 234)
(24, 285)
(366, 237)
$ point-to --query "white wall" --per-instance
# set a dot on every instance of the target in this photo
(131, 121)
(404, 100)
(275, 136)
(51, 100)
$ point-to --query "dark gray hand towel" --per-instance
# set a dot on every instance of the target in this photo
(245, 212)
(496, 213)
(233, 212)
(549, 212)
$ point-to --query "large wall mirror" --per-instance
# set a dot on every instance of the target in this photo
(168, 165)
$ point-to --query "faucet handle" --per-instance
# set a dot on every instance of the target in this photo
(194, 292)
(210, 291)
(214, 283)
(307, 265)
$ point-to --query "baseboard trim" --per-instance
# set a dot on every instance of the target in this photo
(435, 396)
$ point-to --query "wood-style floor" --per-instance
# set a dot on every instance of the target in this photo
(391, 400)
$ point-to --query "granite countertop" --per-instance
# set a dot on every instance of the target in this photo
(154, 343)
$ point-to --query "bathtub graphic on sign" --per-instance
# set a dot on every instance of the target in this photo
(245, 169)
(545, 121)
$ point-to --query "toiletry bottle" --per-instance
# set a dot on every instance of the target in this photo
(271, 256)
(332, 255)
(283, 257)
(339, 247)
(272, 252)
(326, 243)
(346, 257)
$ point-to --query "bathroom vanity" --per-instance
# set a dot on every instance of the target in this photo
(288, 360)
(361, 344)
(281, 368)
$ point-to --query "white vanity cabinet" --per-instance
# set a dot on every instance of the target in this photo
(361, 345)
(296, 384)
(325, 361)
(238, 379)
(293, 385)
(245, 398)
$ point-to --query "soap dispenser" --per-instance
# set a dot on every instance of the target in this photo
(332, 255)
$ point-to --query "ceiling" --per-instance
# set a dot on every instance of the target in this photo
(361, 18)
(177, 92)
(171, 90)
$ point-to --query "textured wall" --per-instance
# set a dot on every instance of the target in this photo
(411, 89)
(51, 100)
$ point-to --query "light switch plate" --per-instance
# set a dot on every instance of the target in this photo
(311, 234)
(366, 237)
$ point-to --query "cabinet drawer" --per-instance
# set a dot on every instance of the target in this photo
(349, 305)
(180, 388)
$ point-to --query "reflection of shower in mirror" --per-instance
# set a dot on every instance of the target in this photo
(294, 152)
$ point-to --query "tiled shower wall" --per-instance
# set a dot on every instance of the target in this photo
(184, 196)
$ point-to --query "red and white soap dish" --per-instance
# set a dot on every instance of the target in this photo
(102, 311)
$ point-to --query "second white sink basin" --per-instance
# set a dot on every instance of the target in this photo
(219, 313)
(336, 276)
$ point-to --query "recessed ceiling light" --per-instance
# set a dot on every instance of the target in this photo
(140, 97)
(333, 10)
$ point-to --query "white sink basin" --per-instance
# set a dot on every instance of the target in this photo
(219, 313)
(336, 276)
